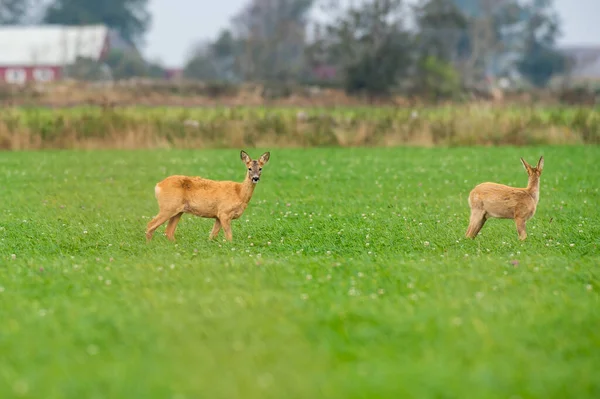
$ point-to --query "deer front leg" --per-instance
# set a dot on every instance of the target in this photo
(215, 230)
(226, 223)
(520, 222)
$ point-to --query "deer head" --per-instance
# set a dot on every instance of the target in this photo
(531, 171)
(254, 166)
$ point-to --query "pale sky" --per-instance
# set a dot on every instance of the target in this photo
(178, 24)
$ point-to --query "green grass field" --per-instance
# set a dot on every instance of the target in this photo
(349, 277)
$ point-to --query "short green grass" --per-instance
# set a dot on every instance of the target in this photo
(349, 277)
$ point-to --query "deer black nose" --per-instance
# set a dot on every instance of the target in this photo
(255, 178)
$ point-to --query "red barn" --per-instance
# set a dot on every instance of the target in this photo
(39, 53)
(173, 73)
(325, 72)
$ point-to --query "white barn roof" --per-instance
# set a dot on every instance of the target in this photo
(50, 45)
(586, 61)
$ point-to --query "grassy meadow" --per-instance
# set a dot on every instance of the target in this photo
(224, 127)
(348, 277)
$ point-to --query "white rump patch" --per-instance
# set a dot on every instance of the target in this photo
(156, 191)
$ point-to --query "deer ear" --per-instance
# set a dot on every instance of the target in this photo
(264, 158)
(540, 164)
(245, 157)
(526, 165)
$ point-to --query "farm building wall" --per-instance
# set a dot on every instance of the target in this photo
(25, 74)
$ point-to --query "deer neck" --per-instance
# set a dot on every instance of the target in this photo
(533, 187)
(247, 190)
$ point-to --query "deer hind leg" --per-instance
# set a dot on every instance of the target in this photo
(215, 230)
(159, 219)
(172, 226)
(478, 218)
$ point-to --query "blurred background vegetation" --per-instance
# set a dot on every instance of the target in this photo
(432, 50)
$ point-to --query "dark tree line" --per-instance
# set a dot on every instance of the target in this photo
(376, 47)
(16, 11)
(375, 50)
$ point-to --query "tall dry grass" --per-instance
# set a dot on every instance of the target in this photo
(133, 128)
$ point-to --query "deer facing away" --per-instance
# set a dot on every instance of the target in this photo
(492, 200)
(219, 200)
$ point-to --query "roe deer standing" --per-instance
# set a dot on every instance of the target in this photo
(219, 200)
(491, 200)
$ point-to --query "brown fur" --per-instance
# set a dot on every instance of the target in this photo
(219, 200)
(491, 200)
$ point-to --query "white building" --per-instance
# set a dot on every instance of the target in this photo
(39, 53)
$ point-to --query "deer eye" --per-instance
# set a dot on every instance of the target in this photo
(259, 168)
(249, 168)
